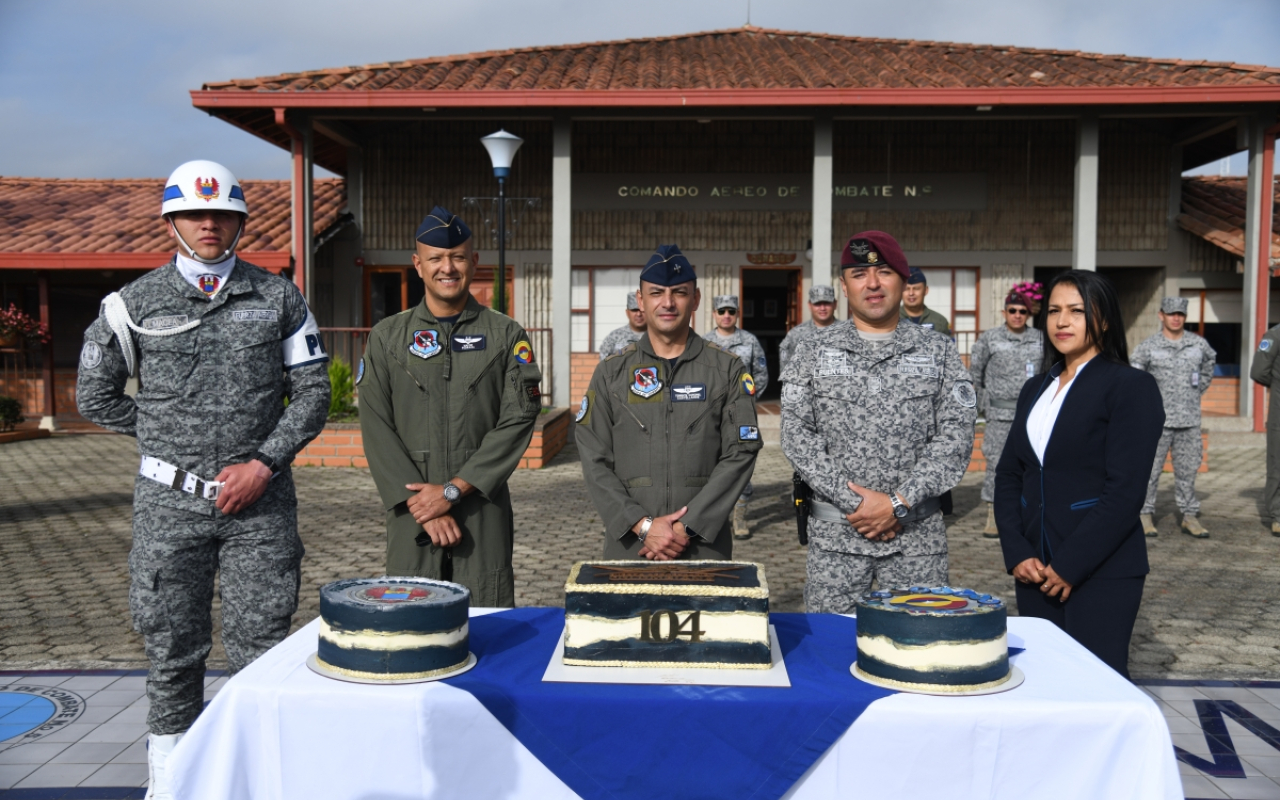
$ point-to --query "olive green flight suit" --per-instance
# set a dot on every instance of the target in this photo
(654, 438)
(929, 319)
(444, 400)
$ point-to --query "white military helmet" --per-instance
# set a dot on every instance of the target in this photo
(200, 186)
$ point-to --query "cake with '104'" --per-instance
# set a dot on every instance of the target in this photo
(938, 640)
(703, 614)
(393, 629)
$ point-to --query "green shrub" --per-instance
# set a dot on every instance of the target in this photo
(10, 413)
(343, 385)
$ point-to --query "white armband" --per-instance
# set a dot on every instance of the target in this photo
(305, 345)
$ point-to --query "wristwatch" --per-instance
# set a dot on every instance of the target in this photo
(266, 460)
(645, 524)
(899, 510)
(453, 494)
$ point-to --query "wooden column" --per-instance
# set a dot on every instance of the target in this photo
(48, 420)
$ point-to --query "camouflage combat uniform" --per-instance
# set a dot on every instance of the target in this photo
(444, 400)
(892, 416)
(794, 338)
(208, 398)
(1183, 370)
(1001, 361)
(655, 437)
(617, 340)
(747, 348)
(1263, 371)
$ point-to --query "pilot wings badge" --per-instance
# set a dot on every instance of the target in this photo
(467, 343)
(688, 392)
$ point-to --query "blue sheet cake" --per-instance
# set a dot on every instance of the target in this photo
(393, 628)
(936, 639)
(705, 614)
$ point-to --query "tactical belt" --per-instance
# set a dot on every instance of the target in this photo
(1008, 404)
(829, 513)
(162, 472)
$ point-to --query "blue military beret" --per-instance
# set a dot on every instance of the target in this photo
(916, 276)
(668, 267)
(442, 229)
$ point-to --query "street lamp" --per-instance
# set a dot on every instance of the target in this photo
(502, 147)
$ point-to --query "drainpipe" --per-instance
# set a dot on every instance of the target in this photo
(48, 421)
(298, 216)
(1263, 232)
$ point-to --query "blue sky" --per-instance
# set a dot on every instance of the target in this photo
(99, 89)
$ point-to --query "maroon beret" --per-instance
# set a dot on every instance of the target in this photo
(873, 249)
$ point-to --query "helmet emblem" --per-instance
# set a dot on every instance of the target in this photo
(207, 189)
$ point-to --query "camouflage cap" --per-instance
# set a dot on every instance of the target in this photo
(1174, 305)
(633, 304)
(725, 301)
(822, 294)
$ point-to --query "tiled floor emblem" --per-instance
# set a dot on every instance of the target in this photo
(29, 713)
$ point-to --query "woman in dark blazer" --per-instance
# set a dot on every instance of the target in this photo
(1072, 478)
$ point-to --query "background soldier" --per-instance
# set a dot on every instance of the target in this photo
(214, 338)
(822, 313)
(914, 309)
(448, 410)
(728, 336)
(1182, 364)
(878, 417)
(667, 430)
(1002, 360)
(619, 338)
(1263, 371)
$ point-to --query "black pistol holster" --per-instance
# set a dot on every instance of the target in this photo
(800, 495)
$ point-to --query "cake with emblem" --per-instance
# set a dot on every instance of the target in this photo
(705, 614)
(936, 639)
(392, 629)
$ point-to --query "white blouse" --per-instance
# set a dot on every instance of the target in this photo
(1044, 414)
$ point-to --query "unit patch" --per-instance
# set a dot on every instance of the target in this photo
(208, 284)
(425, 344)
(162, 323)
(255, 315)
(90, 355)
(523, 351)
(360, 372)
(832, 362)
(918, 365)
(645, 382)
(964, 395)
(207, 190)
(583, 408)
(748, 433)
(688, 392)
(1264, 345)
(467, 343)
(748, 384)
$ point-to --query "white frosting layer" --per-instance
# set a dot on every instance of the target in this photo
(377, 640)
(717, 626)
(940, 656)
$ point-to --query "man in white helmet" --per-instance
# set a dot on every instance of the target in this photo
(218, 346)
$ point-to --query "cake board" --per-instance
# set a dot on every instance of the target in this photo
(1016, 677)
(775, 677)
(313, 664)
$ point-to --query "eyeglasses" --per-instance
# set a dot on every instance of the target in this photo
(1020, 312)
(733, 312)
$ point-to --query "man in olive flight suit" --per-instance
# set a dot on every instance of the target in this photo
(667, 430)
(914, 309)
(448, 398)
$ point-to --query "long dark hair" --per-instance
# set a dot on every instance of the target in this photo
(1103, 323)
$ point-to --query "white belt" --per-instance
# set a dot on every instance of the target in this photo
(162, 472)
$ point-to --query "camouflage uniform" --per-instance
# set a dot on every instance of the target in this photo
(1183, 370)
(893, 416)
(1263, 371)
(747, 348)
(617, 341)
(208, 398)
(1001, 361)
(796, 337)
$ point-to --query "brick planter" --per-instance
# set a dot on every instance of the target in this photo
(341, 444)
(23, 435)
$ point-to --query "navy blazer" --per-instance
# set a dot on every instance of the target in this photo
(1079, 512)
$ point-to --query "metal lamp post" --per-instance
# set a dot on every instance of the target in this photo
(502, 147)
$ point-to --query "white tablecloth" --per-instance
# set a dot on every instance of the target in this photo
(1075, 729)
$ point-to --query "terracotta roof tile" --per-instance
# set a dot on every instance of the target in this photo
(1213, 209)
(53, 215)
(754, 58)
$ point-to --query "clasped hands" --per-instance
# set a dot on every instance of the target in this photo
(1034, 571)
(874, 517)
(431, 511)
(666, 538)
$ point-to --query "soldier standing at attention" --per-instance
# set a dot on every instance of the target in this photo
(218, 346)
(1263, 371)
(667, 429)
(822, 313)
(728, 336)
(878, 417)
(1002, 360)
(618, 338)
(1182, 364)
(914, 309)
(448, 410)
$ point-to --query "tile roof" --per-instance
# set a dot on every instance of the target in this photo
(760, 58)
(55, 215)
(1213, 209)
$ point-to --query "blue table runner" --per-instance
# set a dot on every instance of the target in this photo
(615, 741)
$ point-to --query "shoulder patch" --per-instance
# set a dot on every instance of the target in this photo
(360, 372)
(523, 352)
(748, 433)
(90, 355)
(964, 395)
(583, 408)
(748, 384)
(1264, 345)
